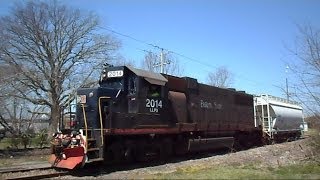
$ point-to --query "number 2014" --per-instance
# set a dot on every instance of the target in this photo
(151, 103)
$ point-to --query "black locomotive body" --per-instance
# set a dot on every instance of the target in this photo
(136, 115)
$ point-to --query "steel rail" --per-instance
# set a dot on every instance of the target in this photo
(40, 176)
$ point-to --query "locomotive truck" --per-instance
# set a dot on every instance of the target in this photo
(136, 115)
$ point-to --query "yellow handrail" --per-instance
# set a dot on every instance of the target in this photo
(100, 116)
(85, 125)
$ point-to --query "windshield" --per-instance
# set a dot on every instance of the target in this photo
(114, 83)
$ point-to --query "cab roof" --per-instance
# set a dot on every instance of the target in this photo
(151, 77)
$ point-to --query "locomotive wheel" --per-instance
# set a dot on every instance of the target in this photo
(140, 153)
(166, 149)
(236, 146)
(129, 151)
(115, 153)
(180, 146)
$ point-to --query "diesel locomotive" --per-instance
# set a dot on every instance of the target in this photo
(137, 115)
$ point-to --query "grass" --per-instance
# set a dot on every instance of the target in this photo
(9, 158)
(302, 171)
(6, 143)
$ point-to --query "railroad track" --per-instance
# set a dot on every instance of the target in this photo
(40, 176)
(21, 169)
(32, 173)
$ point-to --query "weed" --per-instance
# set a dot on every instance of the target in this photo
(41, 138)
(250, 171)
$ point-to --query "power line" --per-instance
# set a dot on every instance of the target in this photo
(174, 52)
(130, 37)
(158, 47)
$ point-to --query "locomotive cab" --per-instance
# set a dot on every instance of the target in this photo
(130, 98)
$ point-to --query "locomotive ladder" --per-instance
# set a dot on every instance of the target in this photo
(94, 140)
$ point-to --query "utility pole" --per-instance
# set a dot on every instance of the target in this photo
(162, 62)
(287, 89)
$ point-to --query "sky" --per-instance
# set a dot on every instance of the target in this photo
(251, 38)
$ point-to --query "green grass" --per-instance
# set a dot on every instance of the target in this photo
(302, 171)
(6, 143)
(305, 171)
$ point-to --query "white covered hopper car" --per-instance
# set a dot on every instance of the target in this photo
(279, 118)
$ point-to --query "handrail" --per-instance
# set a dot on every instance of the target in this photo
(100, 116)
(279, 99)
(85, 125)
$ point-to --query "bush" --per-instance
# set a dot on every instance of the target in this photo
(30, 132)
(41, 138)
(313, 122)
(15, 141)
(25, 140)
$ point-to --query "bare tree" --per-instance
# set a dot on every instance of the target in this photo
(54, 50)
(10, 109)
(122, 61)
(222, 77)
(306, 68)
(150, 59)
(151, 63)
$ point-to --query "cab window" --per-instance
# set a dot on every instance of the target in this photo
(154, 91)
(132, 87)
(115, 83)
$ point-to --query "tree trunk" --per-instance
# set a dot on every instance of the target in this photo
(55, 118)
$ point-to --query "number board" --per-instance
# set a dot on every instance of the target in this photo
(154, 105)
(112, 74)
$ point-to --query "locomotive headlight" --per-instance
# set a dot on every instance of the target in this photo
(103, 76)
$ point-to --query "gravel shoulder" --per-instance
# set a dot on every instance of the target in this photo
(267, 156)
(261, 157)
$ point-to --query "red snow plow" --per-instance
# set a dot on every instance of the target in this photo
(68, 150)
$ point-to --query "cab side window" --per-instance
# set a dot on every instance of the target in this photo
(132, 86)
(154, 91)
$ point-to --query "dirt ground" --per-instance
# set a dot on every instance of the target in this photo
(23, 152)
(23, 157)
